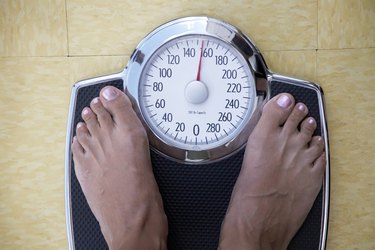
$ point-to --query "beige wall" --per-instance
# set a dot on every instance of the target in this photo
(47, 45)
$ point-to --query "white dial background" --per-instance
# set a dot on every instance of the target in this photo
(197, 92)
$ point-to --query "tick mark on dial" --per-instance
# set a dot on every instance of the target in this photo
(154, 65)
(233, 125)
(160, 57)
(149, 75)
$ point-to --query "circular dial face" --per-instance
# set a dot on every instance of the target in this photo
(196, 92)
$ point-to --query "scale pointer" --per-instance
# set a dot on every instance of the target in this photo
(200, 64)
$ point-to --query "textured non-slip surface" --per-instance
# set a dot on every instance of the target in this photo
(195, 196)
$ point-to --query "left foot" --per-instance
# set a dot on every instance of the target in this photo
(281, 176)
(112, 163)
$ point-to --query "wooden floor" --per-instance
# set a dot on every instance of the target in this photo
(47, 45)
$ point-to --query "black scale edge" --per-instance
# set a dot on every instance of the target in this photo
(195, 197)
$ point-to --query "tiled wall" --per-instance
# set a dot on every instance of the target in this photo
(47, 45)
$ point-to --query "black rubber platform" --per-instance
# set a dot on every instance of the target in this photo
(195, 196)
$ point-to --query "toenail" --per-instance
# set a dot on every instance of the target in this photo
(80, 124)
(301, 107)
(311, 121)
(95, 100)
(85, 111)
(109, 94)
(284, 101)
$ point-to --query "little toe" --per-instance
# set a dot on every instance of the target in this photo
(298, 114)
(119, 106)
(77, 148)
(320, 164)
(90, 119)
(104, 118)
(83, 135)
(316, 148)
(276, 111)
(308, 127)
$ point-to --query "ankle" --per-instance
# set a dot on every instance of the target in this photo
(146, 229)
(239, 232)
(139, 237)
(238, 238)
(139, 241)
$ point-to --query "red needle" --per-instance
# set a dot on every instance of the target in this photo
(200, 64)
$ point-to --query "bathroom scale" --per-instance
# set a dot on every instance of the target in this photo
(197, 84)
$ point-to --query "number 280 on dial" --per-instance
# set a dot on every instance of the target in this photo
(196, 92)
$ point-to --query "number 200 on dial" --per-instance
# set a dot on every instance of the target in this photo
(196, 92)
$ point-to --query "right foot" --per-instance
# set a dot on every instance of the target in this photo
(281, 176)
(112, 163)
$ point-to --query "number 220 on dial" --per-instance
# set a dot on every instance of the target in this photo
(197, 92)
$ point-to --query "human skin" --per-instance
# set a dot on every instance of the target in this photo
(280, 177)
(113, 167)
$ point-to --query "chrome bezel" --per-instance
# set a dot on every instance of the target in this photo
(260, 69)
(194, 26)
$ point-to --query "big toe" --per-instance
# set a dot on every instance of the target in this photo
(276, 111)
(118, 104)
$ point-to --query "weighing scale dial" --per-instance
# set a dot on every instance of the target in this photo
(194, 89)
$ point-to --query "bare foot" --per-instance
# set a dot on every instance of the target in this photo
(280, 178)
(112, 163)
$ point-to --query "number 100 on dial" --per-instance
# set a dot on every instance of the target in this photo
(196, 92)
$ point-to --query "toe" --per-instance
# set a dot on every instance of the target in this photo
(77, 148)
(320, 164)
(299, 112)
(308, 127)
(90, 119)
(277, 110)
(119, 106)
(83, 135)
(316, 148)
(104, 118)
